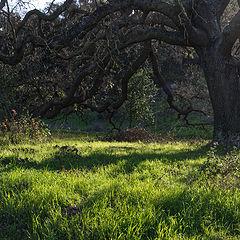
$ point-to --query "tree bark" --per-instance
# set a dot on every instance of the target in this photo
(224, 89)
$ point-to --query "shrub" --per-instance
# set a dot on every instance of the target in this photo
(223, 171)
(134, 135)
(25, 128)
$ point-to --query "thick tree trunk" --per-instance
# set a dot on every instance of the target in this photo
(224, 89)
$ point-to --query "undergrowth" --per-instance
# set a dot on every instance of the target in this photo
(222, 170)
(21, 129)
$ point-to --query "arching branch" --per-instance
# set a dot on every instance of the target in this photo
(2, 4)
(20, 49)
(44, 16)
(145, 33)
(230, 34)
(54, 107)
(162, 83)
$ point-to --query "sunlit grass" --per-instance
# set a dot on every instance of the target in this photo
(71, 189)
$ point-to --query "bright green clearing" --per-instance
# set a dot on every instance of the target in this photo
(101, 190)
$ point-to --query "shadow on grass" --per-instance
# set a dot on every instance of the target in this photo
(77, 160)
(188, 213)
(185, 212)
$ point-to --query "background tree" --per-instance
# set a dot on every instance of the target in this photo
(141, 96)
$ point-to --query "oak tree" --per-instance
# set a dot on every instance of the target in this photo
(116, 37)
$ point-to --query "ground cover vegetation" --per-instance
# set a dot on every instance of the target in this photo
(78, 187)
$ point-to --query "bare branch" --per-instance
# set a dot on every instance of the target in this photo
(170, 99)
(129, 73)
(220, 6)
(20, 49)
(159, 19)
(89, 22)
(53, 108)
(2, 4)
(43, 16)
(144, 33)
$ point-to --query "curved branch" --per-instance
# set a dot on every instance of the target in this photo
(43, 16)
(2, 4)
(167, 90)
(89, 22)
(20, 49)
(221, 6)
(159, 19)
(54, 107)
(124, 76)
(230, 34)
(144, 33)
(128, 74)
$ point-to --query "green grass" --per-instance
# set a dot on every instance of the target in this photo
(101, 190)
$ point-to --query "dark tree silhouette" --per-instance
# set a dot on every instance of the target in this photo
(95, 36)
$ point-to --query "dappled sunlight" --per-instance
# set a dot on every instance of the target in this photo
(89, 155)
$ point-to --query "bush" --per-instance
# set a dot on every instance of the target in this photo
(23, 129)
(134, 135)
(223, 171)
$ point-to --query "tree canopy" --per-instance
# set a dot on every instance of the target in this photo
(103, 43)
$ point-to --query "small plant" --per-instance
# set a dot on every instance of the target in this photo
(224, 171)
(17, 129)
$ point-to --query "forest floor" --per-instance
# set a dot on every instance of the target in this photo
(75, 187)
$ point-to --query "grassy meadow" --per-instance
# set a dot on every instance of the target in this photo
(76, 187)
